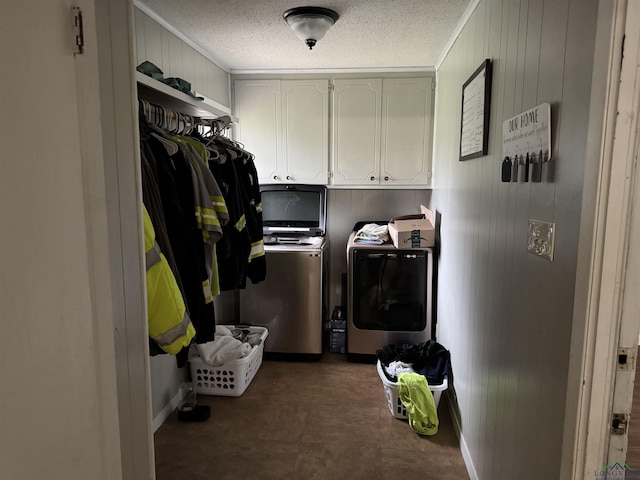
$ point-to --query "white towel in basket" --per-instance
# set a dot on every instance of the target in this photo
(396, 368)
(222, 350)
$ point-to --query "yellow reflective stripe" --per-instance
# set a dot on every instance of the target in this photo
(259, 207)
(257, 250)
(206, 216)
(152, 257)
(174, 334)
(219, 203)
(206, 289)
(241, 223)
(181, 342)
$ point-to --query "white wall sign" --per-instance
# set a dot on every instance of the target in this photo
(528, 132)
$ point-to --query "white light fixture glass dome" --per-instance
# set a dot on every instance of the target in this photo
(310, 23)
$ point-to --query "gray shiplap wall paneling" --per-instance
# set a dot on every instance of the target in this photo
(178, 59)
(218, 86)
(188, 68)
(153, 43)
(504, 314)
(166, 378)
(141, 48)
(174, 68)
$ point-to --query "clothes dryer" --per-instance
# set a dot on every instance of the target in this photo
(389, 296)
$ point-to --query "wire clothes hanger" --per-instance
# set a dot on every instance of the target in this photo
(169, 120)
(212, 132)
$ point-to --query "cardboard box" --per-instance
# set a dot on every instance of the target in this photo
(413, 231)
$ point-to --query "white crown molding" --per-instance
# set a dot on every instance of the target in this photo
(155, 16)
(454, 36)
(330, 70)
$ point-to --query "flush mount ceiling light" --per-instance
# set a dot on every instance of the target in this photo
(310, 23)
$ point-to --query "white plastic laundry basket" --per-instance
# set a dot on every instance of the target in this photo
(393, 400)
(232, 378)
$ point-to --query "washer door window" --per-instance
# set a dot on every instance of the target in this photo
(390, 290)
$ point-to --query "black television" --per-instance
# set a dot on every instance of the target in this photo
(294, 209)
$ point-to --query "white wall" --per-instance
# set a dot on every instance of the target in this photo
(59, 415)
(504, 314)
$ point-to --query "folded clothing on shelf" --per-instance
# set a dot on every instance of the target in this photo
(372, 233)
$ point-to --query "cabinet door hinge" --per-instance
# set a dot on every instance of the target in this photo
(78, 34)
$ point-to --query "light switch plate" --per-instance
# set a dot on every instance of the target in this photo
(541, 238)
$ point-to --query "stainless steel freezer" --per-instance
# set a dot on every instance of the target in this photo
(291, 302)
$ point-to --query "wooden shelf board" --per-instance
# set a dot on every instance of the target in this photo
(158, 93)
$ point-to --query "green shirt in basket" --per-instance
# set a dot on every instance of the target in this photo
(413, 391)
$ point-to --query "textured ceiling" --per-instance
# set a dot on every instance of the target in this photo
(377, 34)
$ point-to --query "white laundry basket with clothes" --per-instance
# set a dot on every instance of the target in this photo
(429, 358)
(231, 378)
(394, 402)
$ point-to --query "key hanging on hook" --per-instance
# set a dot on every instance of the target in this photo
(516, 162)
(506, 169)
(536, 173)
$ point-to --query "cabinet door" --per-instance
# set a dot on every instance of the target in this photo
(258, 104)
(407, 123)
(305, 131)
(356, 131)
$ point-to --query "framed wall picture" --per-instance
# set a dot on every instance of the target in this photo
(476, 103)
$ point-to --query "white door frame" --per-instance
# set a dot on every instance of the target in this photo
(597, 323)
(109, 35)
(625, 301)
(604, 253)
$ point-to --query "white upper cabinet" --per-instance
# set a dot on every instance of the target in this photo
(382, 131)
(407, 131)
(305, 131)
(258, 106)
(357, 104)
(285, 124)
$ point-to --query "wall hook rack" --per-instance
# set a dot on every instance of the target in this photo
(526, 138)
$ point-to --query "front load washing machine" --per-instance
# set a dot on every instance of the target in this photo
(389, 296)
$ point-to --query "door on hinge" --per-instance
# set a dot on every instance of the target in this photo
(625, 414)
(59, 364)
(59, 270)
(625, 304)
